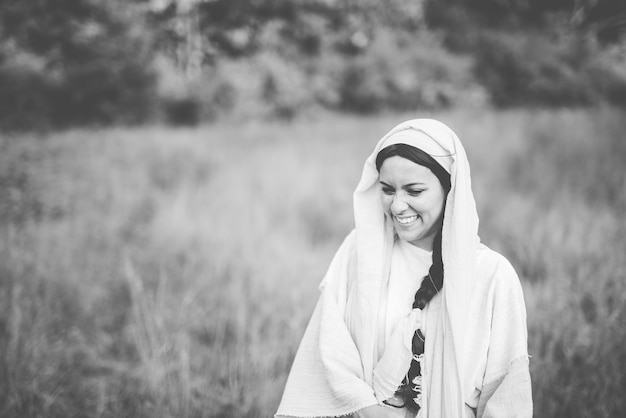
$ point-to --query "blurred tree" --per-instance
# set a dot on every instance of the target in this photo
(70, 62)
(607, 18)
(539, 52)
(290, 42)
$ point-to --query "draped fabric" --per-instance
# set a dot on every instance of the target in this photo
(340, 366)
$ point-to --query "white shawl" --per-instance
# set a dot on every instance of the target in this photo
(334, 370)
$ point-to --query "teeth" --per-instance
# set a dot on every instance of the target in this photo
(406, 219)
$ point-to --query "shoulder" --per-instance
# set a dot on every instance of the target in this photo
(348, 245)
(342, 261)
(491, 260)
(350, 239)
(496, 271)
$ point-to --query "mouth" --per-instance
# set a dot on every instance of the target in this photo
(405, 220)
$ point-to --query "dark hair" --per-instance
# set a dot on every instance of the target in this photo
(416, 155)
(433, 282)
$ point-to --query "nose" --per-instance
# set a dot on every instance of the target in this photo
(398, 205)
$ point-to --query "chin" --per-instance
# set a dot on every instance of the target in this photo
(408, 237)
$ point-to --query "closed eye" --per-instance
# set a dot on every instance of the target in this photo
(387, 189)
(414, 192)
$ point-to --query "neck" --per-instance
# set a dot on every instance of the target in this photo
(424, 243)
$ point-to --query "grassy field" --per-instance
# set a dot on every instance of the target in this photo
(154, 272)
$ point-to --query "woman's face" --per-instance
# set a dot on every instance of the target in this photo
(413, 198)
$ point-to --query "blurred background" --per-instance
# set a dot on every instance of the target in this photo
(175, 177)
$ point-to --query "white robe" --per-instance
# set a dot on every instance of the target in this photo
(327, 377)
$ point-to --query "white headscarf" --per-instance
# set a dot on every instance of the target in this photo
(333, 370)
(374, 237)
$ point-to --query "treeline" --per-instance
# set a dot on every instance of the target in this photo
(540, 52)
(69, 62)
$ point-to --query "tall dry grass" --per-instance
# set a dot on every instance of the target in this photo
(160, 272)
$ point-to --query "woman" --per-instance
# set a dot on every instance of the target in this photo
(416, 317)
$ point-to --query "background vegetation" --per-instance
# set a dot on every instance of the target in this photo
(87, 62)
(157, 272)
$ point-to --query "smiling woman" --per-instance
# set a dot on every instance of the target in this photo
(387, 337)
(412, 195)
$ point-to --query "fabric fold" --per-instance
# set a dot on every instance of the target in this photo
(326, 378)
(394, 363)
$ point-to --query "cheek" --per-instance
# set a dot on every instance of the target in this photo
(438, 207)
(431, 204)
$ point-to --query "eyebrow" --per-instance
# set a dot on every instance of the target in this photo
(406, 185)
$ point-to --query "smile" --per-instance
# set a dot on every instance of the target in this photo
(405, 220)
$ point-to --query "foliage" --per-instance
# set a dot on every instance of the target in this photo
(183, 62)
(312, 54)
(555, 53)
(531, 70)
(69, 62)
(604, 17)
(396, 73)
